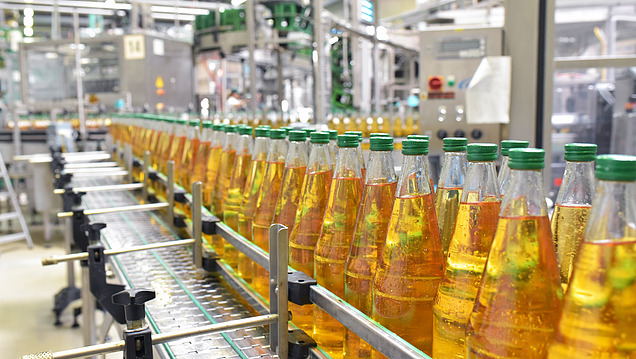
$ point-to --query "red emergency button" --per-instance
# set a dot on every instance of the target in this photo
(435, 83)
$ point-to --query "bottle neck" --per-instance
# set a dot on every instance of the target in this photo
(297, 155)
(414, 179)
(453, 170)
(348, 163)
(218, 138)
(319, 159)
(261, 148)
(481, 183)
(524, 194)
(381, 168)
(231, 139)
(613, 215)
(245, 144)
(577, 187)
(277, 151)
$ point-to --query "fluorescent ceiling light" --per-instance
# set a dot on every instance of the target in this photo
(161, 16)
(179, 10)
(109, 5)
(61, 9)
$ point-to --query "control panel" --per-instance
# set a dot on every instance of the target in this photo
(448, 60)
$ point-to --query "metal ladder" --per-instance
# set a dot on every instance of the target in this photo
(16, 208)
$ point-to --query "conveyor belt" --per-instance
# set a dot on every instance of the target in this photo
(186, 297)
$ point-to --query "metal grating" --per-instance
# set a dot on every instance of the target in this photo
(186, 297)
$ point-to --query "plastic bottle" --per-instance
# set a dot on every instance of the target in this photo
(412, 263)
(234, 197)
(166, 146)
(293, 176)
(504, 171)
(308, 219)
(178, 144)
(599, 310)
(573, 205)
(190, 149)
(469, 247)
(363, 166)
(368, 242)
(519, 298)
(224, 173)
(449, 187)
(212, 163)
(247, 211)
(266, 204)
(335, 239)
(426, 138)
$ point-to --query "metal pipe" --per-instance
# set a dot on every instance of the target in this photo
(78, 77)
(318, 58)
(170, 190)
(197, 203)
(384, 340)
(92, 170)
(145, 182)
(133, 208)
(90, 165)
(251, 44)
(128, 161)
(88, 309)
(50, 260)
(73, 159)
(100, 174)
(114, 187)
(278, 278)
(248, 248)
(68, 240)
(159, 338)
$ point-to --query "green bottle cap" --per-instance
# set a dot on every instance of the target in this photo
(580, 152)
(616, 168)
(414, 147)
(261, 132)
(357, 133)
(506, 145)
(381, 143)
(206, 124)
(333, 134)
(479, 152)
(265, 126)
(298, 136)
(182, 121)
(319, 137)
(219, 127)
(379, 134)
(526, 158)
(245, 130)
(277, 134)
(287, 129)
(417, 137)
(454, 144)
(348, 140)
(231, 128)
(194, 122)
(309, 131)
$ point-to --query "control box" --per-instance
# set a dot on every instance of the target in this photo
(448, 60)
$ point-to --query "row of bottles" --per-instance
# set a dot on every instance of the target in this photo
(398, 126)
(490, 287)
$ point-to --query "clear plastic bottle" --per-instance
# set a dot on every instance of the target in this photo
(519, 298)
(178, 144)
(224, 173)
(368, 242)
(309, 215)
(236, 186)
(469, 247)
(266, 204)
(573, 205)
(426, 138)
(363, 166)
(449, 187)
(251, 192)
(412, 264)
(190, 149)
(166, 145)
(599, 311)
(335, 239)
(293, 176)
(212, 163)
(200, 161)
(504, 170)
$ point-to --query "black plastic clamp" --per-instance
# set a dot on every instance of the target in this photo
(103, 291)
(136, 163)
(153, 175)
(209, 224)
(80, 237)
(298, 287)
(71, 199)
(180, 195)
(61, 180)
(299, 344)
(137, 335)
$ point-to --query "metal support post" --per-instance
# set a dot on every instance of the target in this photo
(318, 58)
(197, 203)
(88, 309)
(251, 43)
(68, 240)
(78, 77)
(128, 161)
(170, 190)
(278, 264)
(146, 180)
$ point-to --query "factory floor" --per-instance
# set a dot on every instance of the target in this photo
(26, 298)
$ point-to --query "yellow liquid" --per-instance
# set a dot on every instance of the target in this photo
(211, 169)
(219, 192)
(468, 252)
(263, 219)
(187, 169)
(409, 272)
(368, 243)
(599, 312)
(331, 252)
(519, 299)
(200, 162)
(176, 152)
(289, 196)
(568, 228)
(304, 235)
(233, 204)
(446, 207)
(247, 212)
